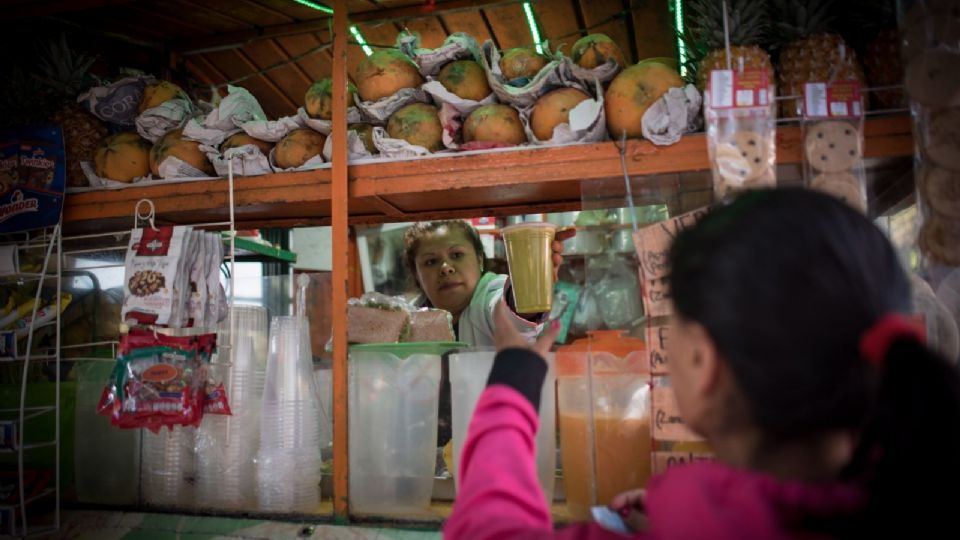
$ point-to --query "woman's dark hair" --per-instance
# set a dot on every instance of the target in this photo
(786, 282)
(413, 236)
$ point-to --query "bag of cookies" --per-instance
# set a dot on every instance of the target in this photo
(832, 131)
(153, 280)
(741, 130)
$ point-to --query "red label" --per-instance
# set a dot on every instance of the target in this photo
(837, 99)
(154, 243)
(733, 89)
(160, 373)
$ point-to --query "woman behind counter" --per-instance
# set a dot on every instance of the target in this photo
(447, 261)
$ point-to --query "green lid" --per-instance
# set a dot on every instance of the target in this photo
(403, 350)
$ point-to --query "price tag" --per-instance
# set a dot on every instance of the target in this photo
(730, 89)
(838, 99)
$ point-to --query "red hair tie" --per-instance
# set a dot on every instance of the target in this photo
(876, 341)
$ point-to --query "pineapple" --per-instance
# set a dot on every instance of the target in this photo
(749, 26)
(66, 74)
(876, 21)
(808, 50)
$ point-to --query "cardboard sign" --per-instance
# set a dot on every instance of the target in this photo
(838, 99)
(657, 337)
(665, 460)
(667, 423)
(653, 251)
(739, 89)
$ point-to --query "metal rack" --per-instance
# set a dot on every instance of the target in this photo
(48, 241)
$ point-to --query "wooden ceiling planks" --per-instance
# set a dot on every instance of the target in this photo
(509, 24)
(281, 81)
(558, 23)
(655, 35)
(316, 65)
(470, 22)
(597, 15)
(297, 88)
(232, 66)
(431, 31)
(354, 53)
(206, 21)
(168, 23)
(378, 35)
(248, 12)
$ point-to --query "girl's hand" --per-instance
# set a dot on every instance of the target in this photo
(506, 335)
(558, 249)
(629, 505)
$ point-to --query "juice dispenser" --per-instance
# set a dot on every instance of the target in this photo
(469, 371)
(603, 391)
(394, 393)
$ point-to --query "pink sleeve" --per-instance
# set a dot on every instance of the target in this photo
(499, 496)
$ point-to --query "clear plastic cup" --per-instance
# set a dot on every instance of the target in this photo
(530, 260)
(290, 361)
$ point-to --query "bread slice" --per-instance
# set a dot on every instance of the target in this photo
(430, 325)
(375, 325)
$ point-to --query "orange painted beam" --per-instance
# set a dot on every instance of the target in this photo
(341, 259)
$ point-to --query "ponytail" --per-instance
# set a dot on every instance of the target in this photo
(909, 455)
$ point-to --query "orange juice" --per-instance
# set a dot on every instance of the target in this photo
(623, 459)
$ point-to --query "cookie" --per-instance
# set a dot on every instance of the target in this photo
(933, 78)
(942, 190)
(942, 138)
(745, 156)
(940, 240)
(833, 146)
(843, 186)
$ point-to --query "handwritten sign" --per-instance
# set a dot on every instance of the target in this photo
(667, 423)
(665, 460)
(653, 251)
(657, 336)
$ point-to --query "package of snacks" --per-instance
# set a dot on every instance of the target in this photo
(833, 140)
(154, 275)
(741, 130)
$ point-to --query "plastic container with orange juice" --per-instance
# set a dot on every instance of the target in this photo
(603, 392)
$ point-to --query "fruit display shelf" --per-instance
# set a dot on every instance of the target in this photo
(493, 182)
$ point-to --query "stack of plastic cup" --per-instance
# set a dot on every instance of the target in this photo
(288, 462)
(227, 445)
(249, 321)
(167, 467)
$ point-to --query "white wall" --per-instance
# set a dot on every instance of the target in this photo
(313, 246)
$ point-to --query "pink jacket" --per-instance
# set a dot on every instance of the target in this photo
(500, 498)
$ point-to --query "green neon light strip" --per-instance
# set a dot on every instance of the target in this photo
(681, 47)
(532, 23)
(316, 6)
(359, 37)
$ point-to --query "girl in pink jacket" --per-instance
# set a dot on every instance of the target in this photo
(791, 354)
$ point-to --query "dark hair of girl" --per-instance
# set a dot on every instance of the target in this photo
(786, 282)
(413, 236)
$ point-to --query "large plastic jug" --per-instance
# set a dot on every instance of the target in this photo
(394, 392)
(468, 378)
(603, 386)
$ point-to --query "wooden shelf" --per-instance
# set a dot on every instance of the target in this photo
(500, 182)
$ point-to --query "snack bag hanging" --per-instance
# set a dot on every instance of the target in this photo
(741, 130)
(153, 281)
(833, 141)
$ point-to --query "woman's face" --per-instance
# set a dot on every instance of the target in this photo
(448, 269)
